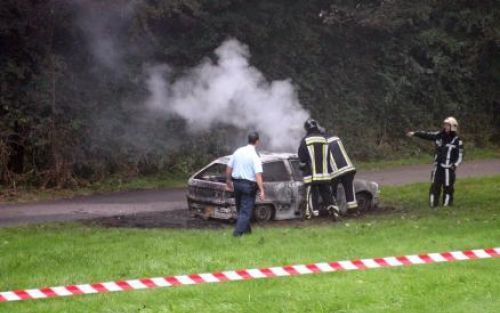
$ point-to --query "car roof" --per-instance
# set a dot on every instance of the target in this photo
(265, 157)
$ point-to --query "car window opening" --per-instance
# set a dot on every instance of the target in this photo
(216, 173)
(275, 171)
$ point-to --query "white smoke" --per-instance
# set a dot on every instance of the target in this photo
(101, 23)
(232, 92)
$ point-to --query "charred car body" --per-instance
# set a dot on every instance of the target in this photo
(285, 191)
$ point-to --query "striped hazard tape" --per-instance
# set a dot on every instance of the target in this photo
(246, 274)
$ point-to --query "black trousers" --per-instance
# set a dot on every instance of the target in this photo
(244, 196)
(347, 181)
(314, 192)
(442, 178)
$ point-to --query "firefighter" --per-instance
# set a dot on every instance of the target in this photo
(449, 150)
(314, 158)
(342, 171)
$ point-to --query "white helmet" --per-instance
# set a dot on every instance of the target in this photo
(453, 123)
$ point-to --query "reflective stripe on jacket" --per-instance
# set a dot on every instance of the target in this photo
(449, 148)
(314, 158)
(340, 163)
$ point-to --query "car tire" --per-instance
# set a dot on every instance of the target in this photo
(263, 213)
(364, 201)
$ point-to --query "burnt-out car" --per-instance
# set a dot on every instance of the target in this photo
(285, 191)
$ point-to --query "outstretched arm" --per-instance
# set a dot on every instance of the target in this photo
(423, 135)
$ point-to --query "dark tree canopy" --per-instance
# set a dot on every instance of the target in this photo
(71, 73)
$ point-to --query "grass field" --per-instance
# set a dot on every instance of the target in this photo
(58, 254)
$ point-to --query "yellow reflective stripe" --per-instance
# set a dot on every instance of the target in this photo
(312, 140)
(310, 179)
(316, 138)
(315, 142)
(313, 159)
(333, 164)
(308, 200)
(321, 175)
(352, 205)
(332, 139)
(344, 153)
(342, 171)
(325, 159)
(322, 179)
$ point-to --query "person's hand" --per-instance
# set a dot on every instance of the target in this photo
(229, 186)
(410, 134)
(453, 167)
(302, 166)
(262, 195)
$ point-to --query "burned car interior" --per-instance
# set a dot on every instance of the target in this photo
(216, 173)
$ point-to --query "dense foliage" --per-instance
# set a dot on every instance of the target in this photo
(367, 69)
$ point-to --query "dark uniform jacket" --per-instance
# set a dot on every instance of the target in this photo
(340, 163)
(314, 158)
(449, 148)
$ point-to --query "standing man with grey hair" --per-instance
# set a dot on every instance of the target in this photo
(448, 155)
(244, 176)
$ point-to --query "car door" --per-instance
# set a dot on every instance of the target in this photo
(277, 184)
(298, 188)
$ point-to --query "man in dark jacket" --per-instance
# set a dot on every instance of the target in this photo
(314, 158)
(448, 156)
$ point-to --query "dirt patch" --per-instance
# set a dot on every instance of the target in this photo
(183, 219)
(387, 209)
(178, 219)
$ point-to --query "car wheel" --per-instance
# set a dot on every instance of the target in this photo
(364, 201)
(263, 213)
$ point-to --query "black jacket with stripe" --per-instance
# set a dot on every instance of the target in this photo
(449, 148)
(314, 158)
(340, 163)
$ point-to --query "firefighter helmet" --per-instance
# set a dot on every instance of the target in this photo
(311, 124)
(452, 122)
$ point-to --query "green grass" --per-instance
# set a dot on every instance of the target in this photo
(426, 158)
(112, 184)
(59, 254)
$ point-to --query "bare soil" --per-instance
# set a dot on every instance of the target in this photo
(178, 219)
(182, 219)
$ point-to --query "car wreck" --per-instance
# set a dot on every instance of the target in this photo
(285, 191)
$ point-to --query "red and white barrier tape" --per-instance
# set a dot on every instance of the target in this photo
(292, 270)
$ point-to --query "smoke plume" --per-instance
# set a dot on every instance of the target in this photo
(229, 91)
(103, 25)
(226, 90)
